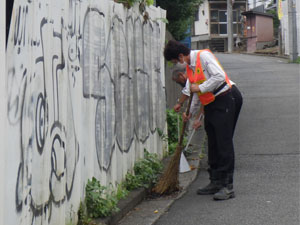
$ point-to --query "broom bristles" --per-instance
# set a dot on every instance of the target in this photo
(168, 182)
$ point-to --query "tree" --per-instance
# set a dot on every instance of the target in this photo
(180, 14)
(275, 19)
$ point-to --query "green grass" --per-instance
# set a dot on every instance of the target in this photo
(296, 61)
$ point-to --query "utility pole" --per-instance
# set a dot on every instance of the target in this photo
(279, 13)
(229, 26)
(292, 30)
(279, 39)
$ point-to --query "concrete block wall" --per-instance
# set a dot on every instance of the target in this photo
(84, 96)
(2, 105)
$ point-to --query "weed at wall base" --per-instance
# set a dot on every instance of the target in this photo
(101, 201)
(174, 122)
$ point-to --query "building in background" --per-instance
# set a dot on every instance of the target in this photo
(210, 25)
(260, 31)
(254, 3)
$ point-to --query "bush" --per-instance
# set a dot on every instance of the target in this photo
(131, 182)
(146, 172)
(99, 202)
(83, 218)
(172, 121)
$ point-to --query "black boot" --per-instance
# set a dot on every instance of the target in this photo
(212, 188)
(226, 192)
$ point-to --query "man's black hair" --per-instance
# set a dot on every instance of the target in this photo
(173, 49)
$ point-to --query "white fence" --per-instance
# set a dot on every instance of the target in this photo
(84, 95)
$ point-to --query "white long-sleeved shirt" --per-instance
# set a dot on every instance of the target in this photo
(215, 75)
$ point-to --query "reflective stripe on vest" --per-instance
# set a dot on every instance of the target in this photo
(198, 77)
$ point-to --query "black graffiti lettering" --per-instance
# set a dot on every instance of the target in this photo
(116, 61)
(20, 26)
(40, 123)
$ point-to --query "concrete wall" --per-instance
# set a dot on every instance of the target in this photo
(173, 90)
(84, 95)
(2, 106)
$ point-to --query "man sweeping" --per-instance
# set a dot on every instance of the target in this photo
(207, 78)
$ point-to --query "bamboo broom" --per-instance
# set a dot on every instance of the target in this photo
(168, 182)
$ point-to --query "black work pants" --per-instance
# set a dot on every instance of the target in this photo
(219, 123)
(238, 99)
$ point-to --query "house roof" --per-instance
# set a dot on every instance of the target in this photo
(251, 12)
(271, 7)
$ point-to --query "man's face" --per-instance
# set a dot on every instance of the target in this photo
(181, 59)
(174, 61)
(180, 78)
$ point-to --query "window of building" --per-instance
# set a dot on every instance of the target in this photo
(222, 16)
(197, 15)
(214, 29)
(218, 20)
(223, 28)
(214, 16)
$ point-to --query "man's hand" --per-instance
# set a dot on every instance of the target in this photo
(195, 88)
(185, 118)
(197, 124)
(177, 107)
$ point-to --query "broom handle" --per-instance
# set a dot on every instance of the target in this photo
(192, 134)
(187, 112)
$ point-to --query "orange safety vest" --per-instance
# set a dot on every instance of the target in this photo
(198, 77)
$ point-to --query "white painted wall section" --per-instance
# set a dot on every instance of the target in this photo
(202, 25)
(2, 108)
(83, 95)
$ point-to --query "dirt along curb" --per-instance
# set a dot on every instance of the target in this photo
(149, 210)
(124, 205)
(263, 52)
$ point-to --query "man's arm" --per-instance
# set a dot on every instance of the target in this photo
(184, 96)
(180, 102)
(198, 122)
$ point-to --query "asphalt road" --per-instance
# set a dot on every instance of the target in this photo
(267, 183)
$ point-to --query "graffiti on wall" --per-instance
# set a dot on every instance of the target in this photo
(114, 62)
(49, 150)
